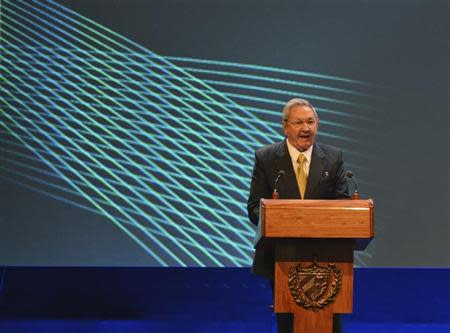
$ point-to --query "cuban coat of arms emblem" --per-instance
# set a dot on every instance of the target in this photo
(315, 286)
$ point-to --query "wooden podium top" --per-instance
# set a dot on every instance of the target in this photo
(316, 219)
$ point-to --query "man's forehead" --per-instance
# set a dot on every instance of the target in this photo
(302, 112)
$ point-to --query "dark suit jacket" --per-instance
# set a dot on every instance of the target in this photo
(326, 180)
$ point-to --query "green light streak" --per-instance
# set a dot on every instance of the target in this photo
(81, 184)
(114, 42)
(99, 201)
(133, 124)
(144, 190)
(110, 217)
(269, 69)
(94, 147)
(198, 114)
(102, 180)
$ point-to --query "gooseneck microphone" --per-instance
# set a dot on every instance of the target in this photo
(275, 194)
(350, 175)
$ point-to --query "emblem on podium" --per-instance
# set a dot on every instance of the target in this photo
(315, 286)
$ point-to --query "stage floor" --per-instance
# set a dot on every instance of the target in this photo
(218, 300)
(195, 326)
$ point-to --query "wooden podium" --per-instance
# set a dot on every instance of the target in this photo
(313, 243)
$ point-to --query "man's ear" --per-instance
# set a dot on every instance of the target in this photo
(284, 124)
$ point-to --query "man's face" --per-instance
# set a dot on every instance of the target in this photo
(301, 127)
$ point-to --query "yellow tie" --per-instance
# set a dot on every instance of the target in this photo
(301, 175)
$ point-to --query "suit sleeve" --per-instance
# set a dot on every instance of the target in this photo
(259, 188)
(341, 187)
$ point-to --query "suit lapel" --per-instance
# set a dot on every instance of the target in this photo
(289, 188)
(315, 170)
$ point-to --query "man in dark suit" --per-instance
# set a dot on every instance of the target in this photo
(311, 171)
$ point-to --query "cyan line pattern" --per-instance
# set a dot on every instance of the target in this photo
(232, 177)
(89, 155)
(160, 146)
(138, 188)
(27, 175)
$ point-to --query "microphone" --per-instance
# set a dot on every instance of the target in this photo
(275, 194)
(350, 175)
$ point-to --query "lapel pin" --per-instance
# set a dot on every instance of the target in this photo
(326, 173)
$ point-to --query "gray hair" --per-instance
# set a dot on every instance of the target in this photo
(297, 102)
